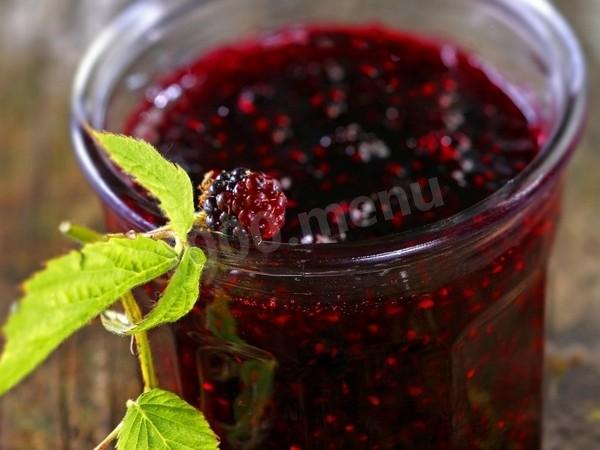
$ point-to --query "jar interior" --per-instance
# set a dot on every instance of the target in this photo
(522, 52)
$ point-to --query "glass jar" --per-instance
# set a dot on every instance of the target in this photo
(431, 339)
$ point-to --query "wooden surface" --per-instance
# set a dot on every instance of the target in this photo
(75, 399)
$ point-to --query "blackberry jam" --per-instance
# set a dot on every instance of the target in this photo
(335, 114)
(402, 305)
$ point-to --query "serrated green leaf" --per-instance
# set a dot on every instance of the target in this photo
(178, 299)
(160, 420)
(166, 181)
(71, 291)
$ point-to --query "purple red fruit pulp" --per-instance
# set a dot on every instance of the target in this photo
(337, 114)
(442, 356)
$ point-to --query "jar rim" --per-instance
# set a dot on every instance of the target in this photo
(555, 152)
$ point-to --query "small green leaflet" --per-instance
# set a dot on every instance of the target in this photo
(116, 322)
(168, 182)
(177, 300)
(159, 420)
(71, 291)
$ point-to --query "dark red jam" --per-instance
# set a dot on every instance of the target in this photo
(337, 114)
(443, 354)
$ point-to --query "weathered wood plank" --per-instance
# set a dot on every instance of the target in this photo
(75, 399)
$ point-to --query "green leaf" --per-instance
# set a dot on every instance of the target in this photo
(159, 420)
(166, 181)
(178, 299)
(71, 291)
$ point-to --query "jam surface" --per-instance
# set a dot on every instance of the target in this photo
(337, 114)
(444, 356)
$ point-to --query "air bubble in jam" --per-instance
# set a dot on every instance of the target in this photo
(445, 354)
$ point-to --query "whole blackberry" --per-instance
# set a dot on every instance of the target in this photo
(241, 202)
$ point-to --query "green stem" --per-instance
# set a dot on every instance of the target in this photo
(161, 233)
(108, 439)
(79, 233)
(134, 314)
